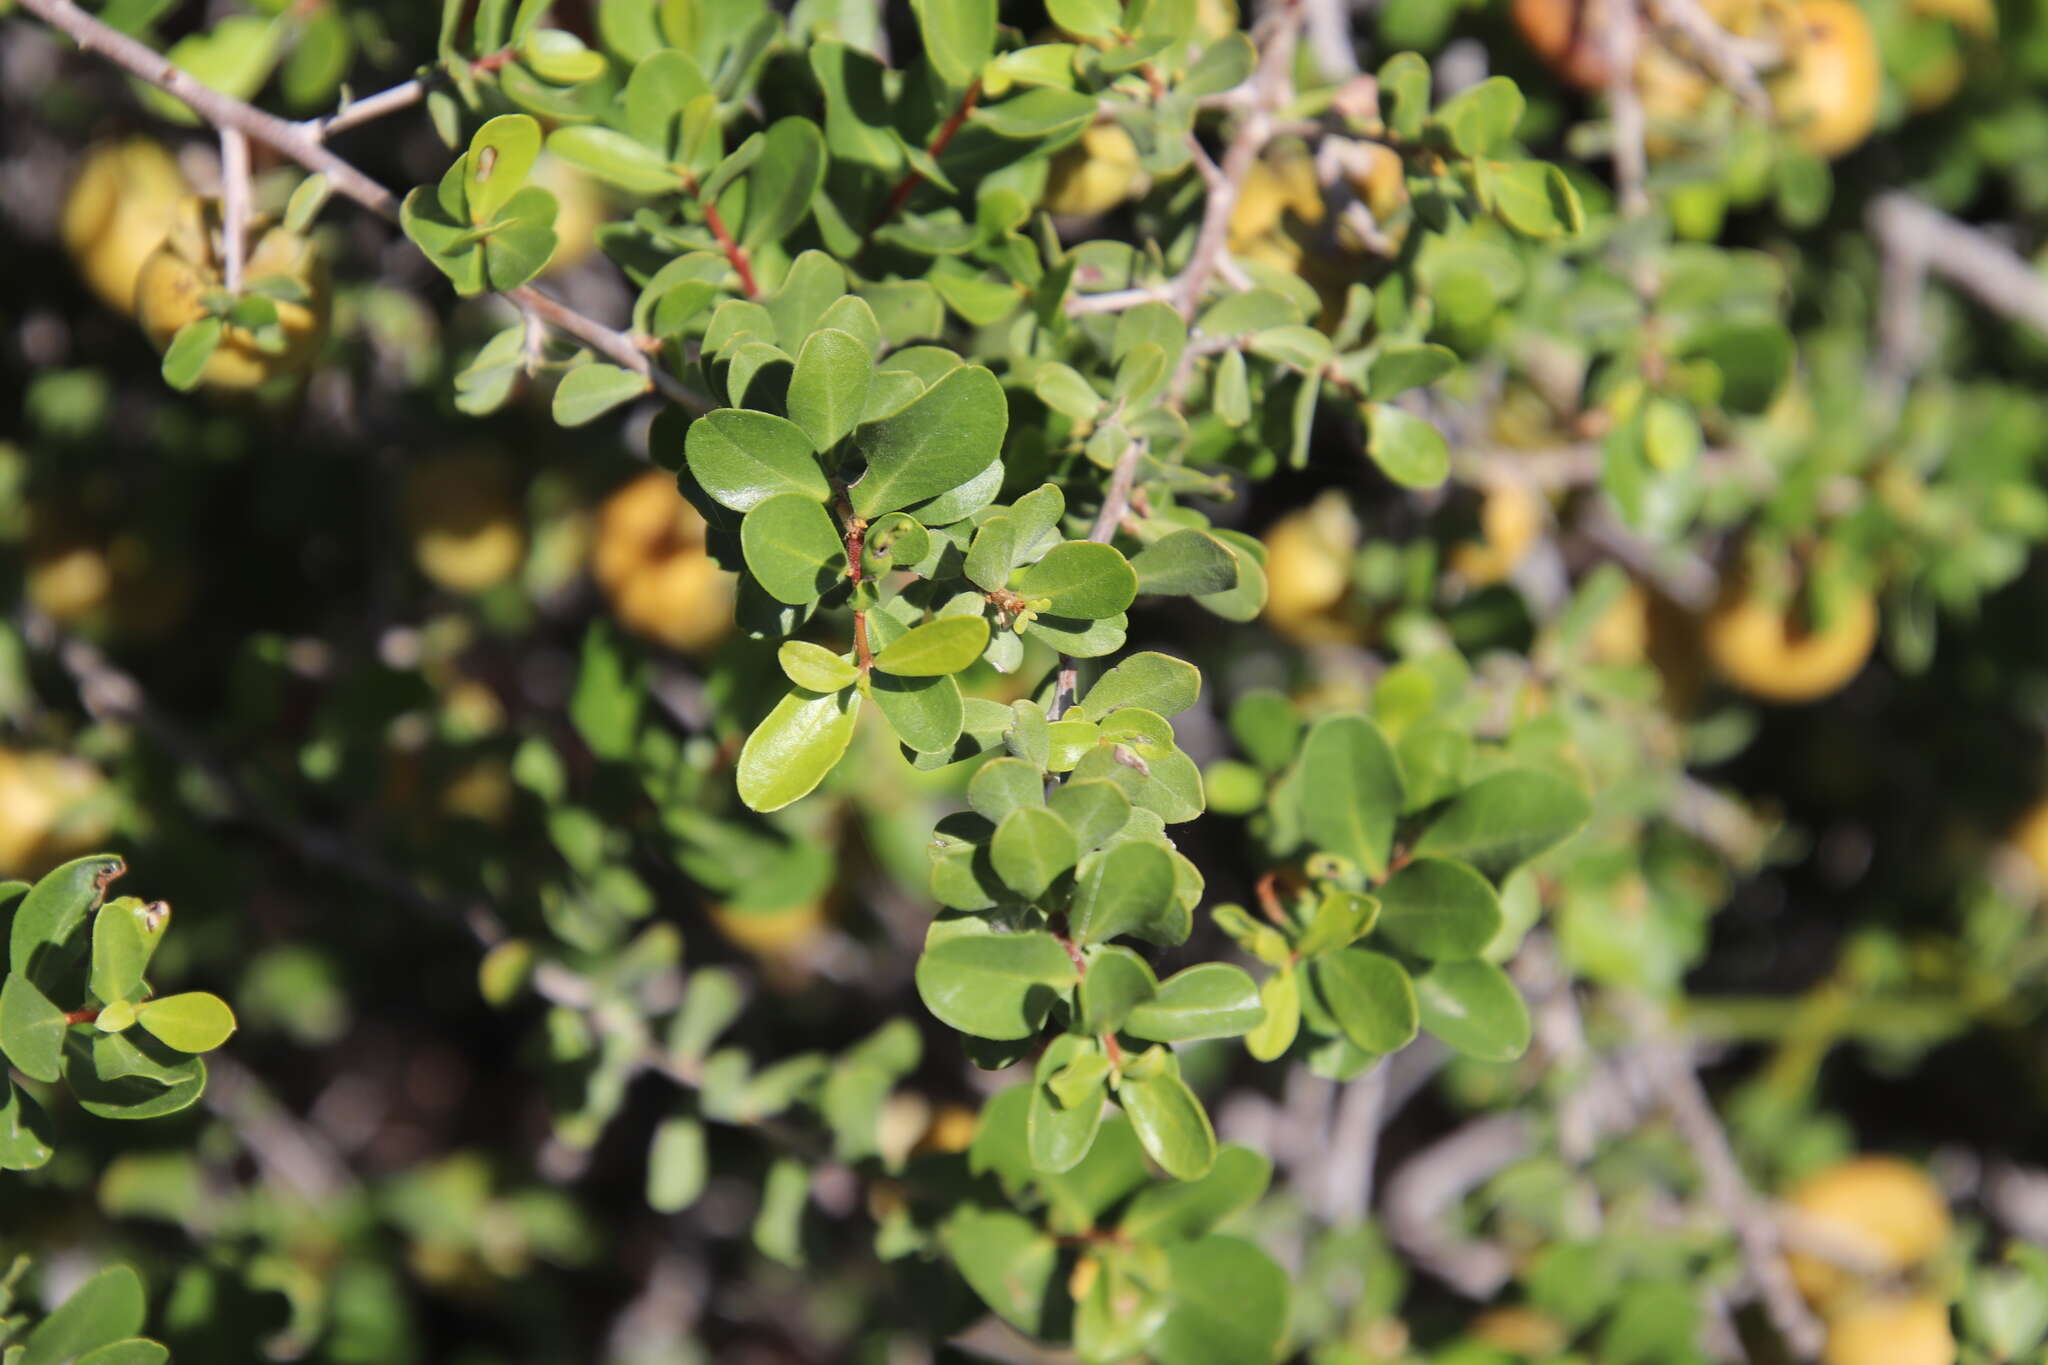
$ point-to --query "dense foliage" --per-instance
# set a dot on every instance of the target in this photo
(1068, 680)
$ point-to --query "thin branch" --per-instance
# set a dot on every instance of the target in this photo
(1755, 1229)
(1116, 501)
(402, 96)
(294, 141)
(234, 200)
(1421, 1192)
(940, 141)
(1969, 258)
(1625, 107)
(1724, 55)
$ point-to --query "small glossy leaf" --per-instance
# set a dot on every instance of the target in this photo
(936, 648)
(1032, 847)
(185, 359)
(103, 1310)
(1170, 1122)
(1475, 1008)
(1117, 982)
(500, 157)
(588, 392)
(1401, 368)
(1280, 993)
(814, 667)
(615, 158)
(125, 934)
(1002, 785)
(1408, 449)
(945, 437)
(1229, 1305)
(26, 1139)
(792, 548)
(1208, 1000)
(1067, 1098)
(927, 714)
(792, 750)
(744, 458)
(1355, 783)
(784, 181)
(1124, 889)
(31, 1028)
(1092, 810)
(829, 388)
(1502, 821)
(194, 1021)
(1154, 682)
(1006, 1260)
(1081, 578)
(994, 985)
(959, 37)
(1186, 564)
(1439, 908)
(1369, 996)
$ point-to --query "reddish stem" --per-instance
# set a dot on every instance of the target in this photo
(914, 177)
(81, 1016)
(734, 252)
(856, 545)
(1269, 899)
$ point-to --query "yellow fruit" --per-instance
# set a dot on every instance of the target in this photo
(1828, 93)
(1384, 186)
(771, 933)
(1891, 1331)
(1308, 571)
(462, 515)
(2030, 837)
(649, 558)
(1522, 1332)
(1622, 634)
(1879, 1208)
(69, 580)
(83, 579)
(1564, 37)
(1763, 649)
(50, 810)
(118, 211)
(482, 791)
(952, 1130)
(1094, 175)
(177, 276)
(1510, 519)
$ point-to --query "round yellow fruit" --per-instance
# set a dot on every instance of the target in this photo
(49, 810)
(176, 278)
(1880, 1209)
(462, 515)
(1308, 571)
(650, 559)
(1094, 175)
(1510, 519)
(1891, 1331)
(1828, 93)
(118, 212)
(1762, 648)
(952, 1129)
(771, 933)
(86, 580)
(2030, 837)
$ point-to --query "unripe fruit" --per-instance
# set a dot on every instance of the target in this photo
(1891, 1331)
(178, 275)
(1828, 95)
(1763, 649)
(463, 518)
(118, 212)
(1093, 175)
(649, 558)
(1885, 1211)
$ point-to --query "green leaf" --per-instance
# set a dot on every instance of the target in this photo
(927, 714)
(939, 441)
(130, 1076)
(829, 388)
(1032, 847)
(615, 158)
(560, 58)
(814, 667)
(500, 157)
(1003, 1257)
(1189, 1209)
(590, 391)
(1439, 909)
(778, 1225)
(1186, 563)
(784, 181)
(936, 648)
(1500, 822)
(1122, 890)
(135, 1350)
(1042, 113)
(1398, 369)
(26, 1139)
(791, 750)
(1150, 681)
(993, 985)
(1475, 1008)
(1340, 917)
(1482, 117)
(1002, 785)
(1081, 579)
(125, 934)
(792, 548)
(1369, 996)
(1170, 1122)
(744, 458)
(959, 37)
(192, 1022)
(1535, 199)
(1229, 1305)
(1280, 993)
(106, 1308)
(1092, 810)
(1232, 395)
(1408, 449)
(1754, 359)
(192, 346)
(676, 1165)
(1117, 982)
(1067, 1096)
(31, 1029)
(1208, 1000)
(1061, 388)
(1355, 783)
